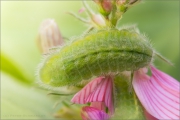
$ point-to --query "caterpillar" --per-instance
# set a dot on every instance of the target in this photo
(99, 53)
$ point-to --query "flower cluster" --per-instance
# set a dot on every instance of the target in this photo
(159, 94)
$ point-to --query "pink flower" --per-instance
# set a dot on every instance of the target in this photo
(92, 113)
(100, 93)
(159, 95)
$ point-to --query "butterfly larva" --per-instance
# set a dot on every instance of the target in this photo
(103, 52)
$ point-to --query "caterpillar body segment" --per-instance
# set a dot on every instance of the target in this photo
(103, 52)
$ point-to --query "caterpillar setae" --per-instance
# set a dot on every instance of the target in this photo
(99, 53)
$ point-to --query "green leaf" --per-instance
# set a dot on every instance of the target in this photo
(12, 69)
(23, 102)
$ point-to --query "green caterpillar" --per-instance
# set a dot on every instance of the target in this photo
(101, 53)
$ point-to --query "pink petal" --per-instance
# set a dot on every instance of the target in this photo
(103, 93)
(159, 94)
(98, 90)
(91, 113)
(166, 81)
(149, 116)
(99, 105)
(81, 96)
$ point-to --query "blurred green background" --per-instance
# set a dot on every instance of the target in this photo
(20, 21)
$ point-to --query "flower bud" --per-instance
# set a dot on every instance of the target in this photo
(98, 20)
(120, 2)
(124, 5)
(105, 6)
(49, 36)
